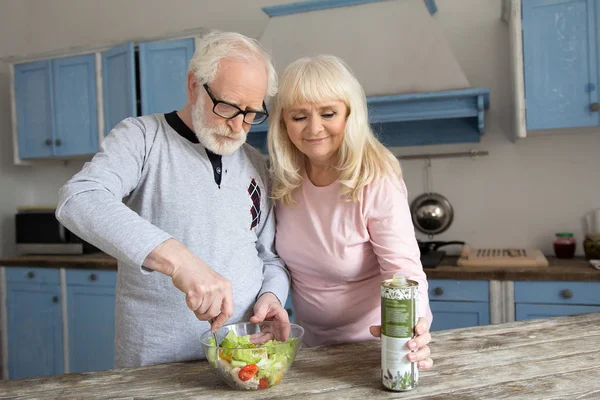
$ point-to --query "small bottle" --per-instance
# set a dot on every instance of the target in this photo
(564, 245)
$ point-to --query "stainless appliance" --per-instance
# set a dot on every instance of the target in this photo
(39, 232)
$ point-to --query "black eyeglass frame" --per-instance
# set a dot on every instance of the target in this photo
(216, 102)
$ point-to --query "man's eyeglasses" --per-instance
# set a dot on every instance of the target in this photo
(227, 110)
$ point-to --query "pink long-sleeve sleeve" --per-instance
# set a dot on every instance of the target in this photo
(393, 237)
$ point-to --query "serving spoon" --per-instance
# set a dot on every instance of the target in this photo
(211, 321)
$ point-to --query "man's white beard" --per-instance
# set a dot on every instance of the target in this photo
(220, 140)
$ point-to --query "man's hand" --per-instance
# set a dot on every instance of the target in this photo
(268, 307)
(420, 343)
(207, 293)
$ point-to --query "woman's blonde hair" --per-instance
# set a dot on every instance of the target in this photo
(361, 159)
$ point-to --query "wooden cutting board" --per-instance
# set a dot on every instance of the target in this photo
(498, 257)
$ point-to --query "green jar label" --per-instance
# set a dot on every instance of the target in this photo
(397, 318)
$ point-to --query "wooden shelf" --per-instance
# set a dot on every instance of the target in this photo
(453, 116)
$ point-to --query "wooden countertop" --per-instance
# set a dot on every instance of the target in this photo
(555, 358)
(85, 261)
(576, 269)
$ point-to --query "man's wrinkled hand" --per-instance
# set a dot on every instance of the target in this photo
(207, 293)
(269, 308)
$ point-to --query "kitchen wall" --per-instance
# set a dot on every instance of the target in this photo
(29, 27)
(519, 195)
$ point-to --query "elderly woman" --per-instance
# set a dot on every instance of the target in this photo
(343, 220)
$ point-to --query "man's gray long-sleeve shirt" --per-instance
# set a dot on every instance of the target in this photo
(150, 183)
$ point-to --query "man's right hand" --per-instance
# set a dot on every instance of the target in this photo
(207, 293)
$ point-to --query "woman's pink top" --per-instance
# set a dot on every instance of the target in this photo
(339, 251)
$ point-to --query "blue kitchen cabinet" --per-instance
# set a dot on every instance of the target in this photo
(118, 85)
(75, 105)
(553, 299)
(56, 101)
(34, 322)
(56, 107)
(458, 304)
(33, 97)
(560, 41)
(91, 319)
(163, 74)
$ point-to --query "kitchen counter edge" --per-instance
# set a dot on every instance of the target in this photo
(576, 269)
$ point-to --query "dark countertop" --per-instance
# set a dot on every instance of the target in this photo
(536, 359)
(576, 269)
(84, 261)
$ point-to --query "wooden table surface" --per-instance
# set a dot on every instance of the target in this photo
(555, 358)
(576, 269)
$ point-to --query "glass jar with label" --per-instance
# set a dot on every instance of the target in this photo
(564, 245)
(591, 246)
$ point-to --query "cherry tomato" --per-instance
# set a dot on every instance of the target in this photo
(263, 383)
(247, 372)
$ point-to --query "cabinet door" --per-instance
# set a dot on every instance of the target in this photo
(34, 321)
(33, 94)
(75, 105)
(557, 292)
(560, 58)
(458, 314)
(91, 306)
(163, 74)
(118, 85)
(533, 311)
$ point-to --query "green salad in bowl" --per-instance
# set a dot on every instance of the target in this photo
(253, 356)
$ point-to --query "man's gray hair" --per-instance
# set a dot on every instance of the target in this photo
(216, 45)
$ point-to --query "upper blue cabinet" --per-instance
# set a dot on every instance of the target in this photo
(163, 74)
(118, 85)
(75, 105)
(56, 107)
(560, 59)
(33, 98)
(144, 79)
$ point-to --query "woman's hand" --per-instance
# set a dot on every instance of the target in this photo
(420, 343)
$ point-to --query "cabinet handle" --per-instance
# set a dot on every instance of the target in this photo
(438, 291)
(48, 142)
(289, 311)
(566, 294)
(93, 277)
(55, 299)
(594, 107)
(30, 275)
(58, 142)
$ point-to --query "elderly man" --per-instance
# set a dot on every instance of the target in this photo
(183, 204)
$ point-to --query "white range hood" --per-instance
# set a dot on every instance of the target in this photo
(399, 53)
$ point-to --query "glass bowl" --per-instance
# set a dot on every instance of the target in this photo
(253, 356)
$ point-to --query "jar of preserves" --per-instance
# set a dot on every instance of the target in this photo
(564, 245)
